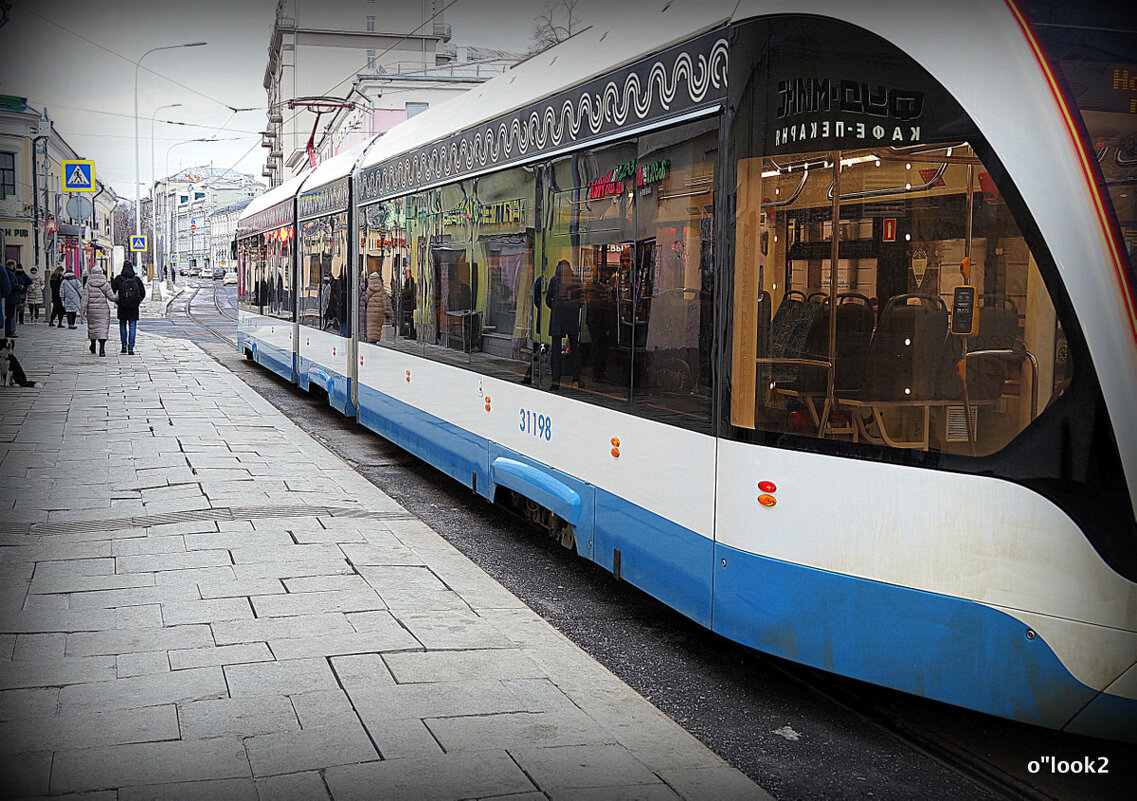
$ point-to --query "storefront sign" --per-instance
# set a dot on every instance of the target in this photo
(18, 231)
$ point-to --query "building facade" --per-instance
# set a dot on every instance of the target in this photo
(41, 224)
(222, 230)
(362, 67)
(185, 202)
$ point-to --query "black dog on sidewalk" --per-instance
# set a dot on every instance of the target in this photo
(11, 371)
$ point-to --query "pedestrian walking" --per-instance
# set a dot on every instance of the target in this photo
(19, 282)
(56, 282)
(5, 291)
(131, 292)
(22, 293)
(71, 292)
(35, 294)
(96, 307)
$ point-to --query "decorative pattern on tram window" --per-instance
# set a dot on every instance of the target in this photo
(325, 199)
(272, 217)
(682, 79)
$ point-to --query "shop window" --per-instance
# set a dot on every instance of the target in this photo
(7, 174)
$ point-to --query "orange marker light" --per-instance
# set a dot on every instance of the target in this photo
(767, 486)
(487, 407)
(767, 500)
(616, 452)
(615, 442)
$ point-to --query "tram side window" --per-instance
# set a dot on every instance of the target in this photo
(386, 297)
(323, 255)
(869, 347)
(674, 189)
(593, 275)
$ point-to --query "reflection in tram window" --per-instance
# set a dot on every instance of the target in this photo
(265, 273)
(322, 250)
(591, 226)
(464, 268)
(672, 291)
(386, 296)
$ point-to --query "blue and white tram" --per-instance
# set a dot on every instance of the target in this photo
(266, 280)
(812, 321)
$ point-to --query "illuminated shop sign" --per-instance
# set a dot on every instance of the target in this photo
(470, 210)
(612, 182)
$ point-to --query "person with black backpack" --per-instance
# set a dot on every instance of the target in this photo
(131, 292)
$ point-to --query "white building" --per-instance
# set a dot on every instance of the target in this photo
(365, 66)
(185, 201)
(39, 224)
(222, 230)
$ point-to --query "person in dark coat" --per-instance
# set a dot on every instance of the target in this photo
(131, 292)
(20, 282)
(5, 291)
(563, 298)
(57, 310)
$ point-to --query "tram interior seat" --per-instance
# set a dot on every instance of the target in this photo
(788, 332)
(854, 334)
(911, 365)
(998, 330)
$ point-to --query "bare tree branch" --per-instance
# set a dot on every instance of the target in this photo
(556, 22)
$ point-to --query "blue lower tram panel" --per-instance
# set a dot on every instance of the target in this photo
(931, 645)
(277, 359)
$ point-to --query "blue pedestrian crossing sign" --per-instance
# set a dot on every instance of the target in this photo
(78, 175)
(138, 243)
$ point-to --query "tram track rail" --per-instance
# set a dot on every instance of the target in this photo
(198, 321)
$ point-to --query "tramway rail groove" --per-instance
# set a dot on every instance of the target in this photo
(198, 321)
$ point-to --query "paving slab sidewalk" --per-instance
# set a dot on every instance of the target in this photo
(181, 616)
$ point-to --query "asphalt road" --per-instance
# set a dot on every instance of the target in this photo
(798, 733)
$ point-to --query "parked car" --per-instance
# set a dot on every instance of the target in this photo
(218, 273)
(231, 277)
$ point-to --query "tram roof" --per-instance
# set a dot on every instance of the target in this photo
(285, 191)
(336, 167)
(627, 36)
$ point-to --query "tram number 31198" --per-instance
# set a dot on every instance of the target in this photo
(538, 425)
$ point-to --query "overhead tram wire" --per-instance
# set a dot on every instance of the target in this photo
(16, 4)
(397, 42)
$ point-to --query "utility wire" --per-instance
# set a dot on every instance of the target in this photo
(397, 42)
(128, 59)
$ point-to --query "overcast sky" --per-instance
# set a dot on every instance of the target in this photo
(76, 57)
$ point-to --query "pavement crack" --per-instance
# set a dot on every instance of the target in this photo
(339, 681)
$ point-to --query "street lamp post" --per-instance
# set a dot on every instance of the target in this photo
(154, 198)
(137, 169)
